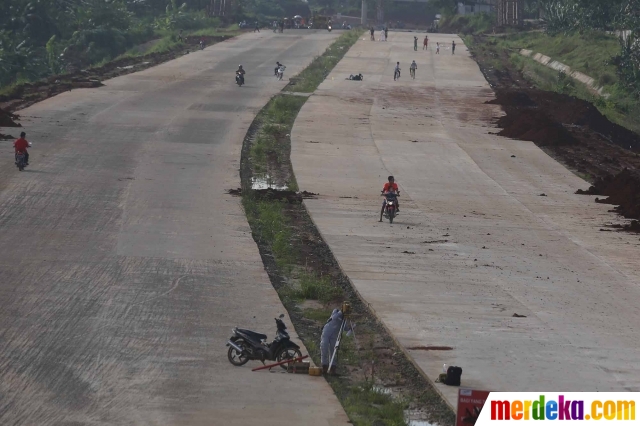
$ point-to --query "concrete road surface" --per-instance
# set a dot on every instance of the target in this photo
(123, 263)
(476, 240)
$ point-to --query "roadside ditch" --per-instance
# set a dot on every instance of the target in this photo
(569, 129)
(377, 384)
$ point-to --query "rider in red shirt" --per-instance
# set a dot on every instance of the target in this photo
(390, 186)
(21, 145)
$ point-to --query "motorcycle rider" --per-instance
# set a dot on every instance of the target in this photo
(240, 71)
(275, 71)
(390, 187)
(20, 146)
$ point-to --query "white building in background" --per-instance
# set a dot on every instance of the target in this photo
(471, 7)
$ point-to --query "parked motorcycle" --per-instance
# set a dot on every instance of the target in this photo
(21, 161)
(239, 79)
(280, 72)
(245, 345)
(390, 205)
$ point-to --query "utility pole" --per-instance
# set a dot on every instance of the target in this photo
(363, 16)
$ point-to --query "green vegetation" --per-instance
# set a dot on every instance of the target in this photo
(273, 230)
(369, 404)
(468, 24)
(591, 52)
(309, 79)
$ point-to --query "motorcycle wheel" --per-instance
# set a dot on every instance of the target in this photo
(287, 353)
(391, 215)
(236, 358)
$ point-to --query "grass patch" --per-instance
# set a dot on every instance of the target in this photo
(282, 229)
(590, 53)
(277, 236)
(311, 77)
(368, 405)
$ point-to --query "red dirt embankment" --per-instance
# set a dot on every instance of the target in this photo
(623, 191)
(571, 130)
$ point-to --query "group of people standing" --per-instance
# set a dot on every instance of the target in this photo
(384, 32)
(425, 45)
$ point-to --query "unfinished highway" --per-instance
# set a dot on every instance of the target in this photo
(123, 262)
(494, 264)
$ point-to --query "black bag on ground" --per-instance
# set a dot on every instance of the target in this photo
(453, 376)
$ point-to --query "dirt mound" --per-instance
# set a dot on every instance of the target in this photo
(554, 119)
(8, 120)
(531, 124)
(622, 190)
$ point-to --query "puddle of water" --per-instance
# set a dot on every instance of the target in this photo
(415, 418)
(265, 182)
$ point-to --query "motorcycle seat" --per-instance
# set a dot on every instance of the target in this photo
(253, 334)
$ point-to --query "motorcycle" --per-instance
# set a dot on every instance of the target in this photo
(239, 79)
(201, 44)
(245, 345)
(21, 161)
(280, 72)
(390, 205)
(329, 28)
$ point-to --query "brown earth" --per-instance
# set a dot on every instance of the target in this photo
(570, 129)
(29, 93)
(8, 119)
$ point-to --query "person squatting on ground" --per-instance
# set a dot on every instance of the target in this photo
(425, 43)
(328, 340)
(415, 43)
(388, 187)
(20, 146)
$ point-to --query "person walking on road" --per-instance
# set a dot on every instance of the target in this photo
(453, 47)
(382, 35)
(386, 33)
(437, 47)
(372, 31)
(257, 27)
(415, 44)
(396, 72)
(412, 69)
(425, 43)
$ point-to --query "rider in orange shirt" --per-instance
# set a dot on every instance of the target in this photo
(390, 186)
